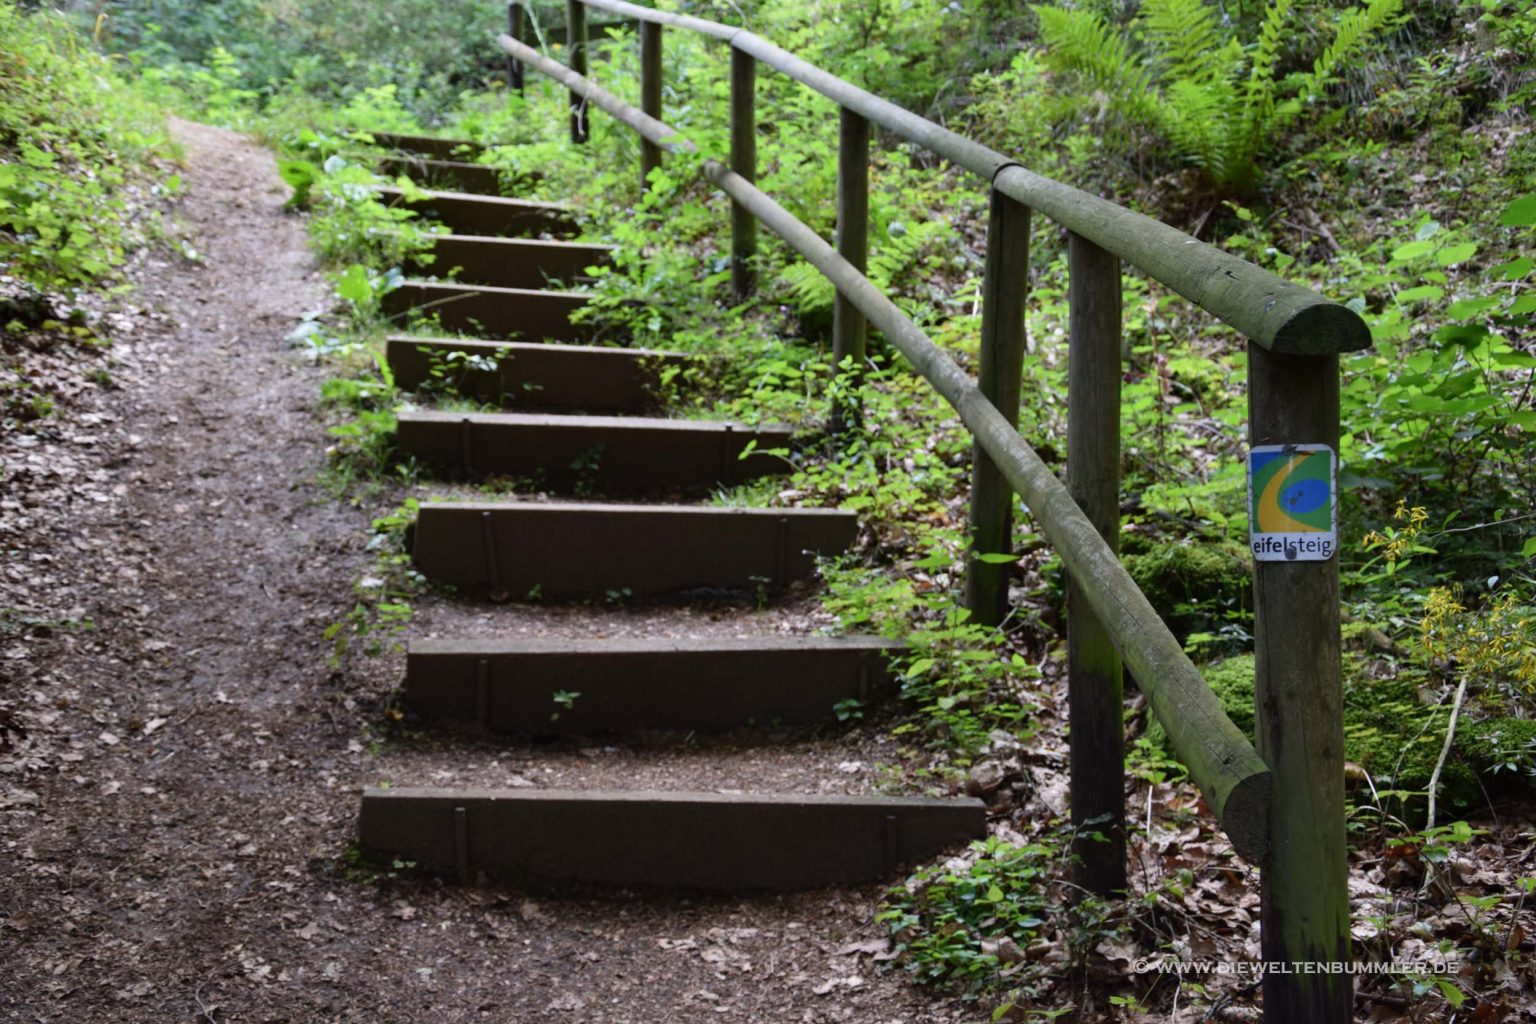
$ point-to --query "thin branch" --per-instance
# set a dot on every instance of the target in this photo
(1445, 750)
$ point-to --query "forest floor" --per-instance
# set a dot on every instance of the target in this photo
(180, 762)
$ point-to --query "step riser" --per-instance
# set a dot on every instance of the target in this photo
(538, 377)
(448, 175)
(520, 315)
(471, 215)
(512, 263)
(574, 551)
(656, 840)
(429, 146)
(704, 690)
(592, 459)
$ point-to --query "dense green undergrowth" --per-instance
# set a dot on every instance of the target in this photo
(84, 164)
(75, 144)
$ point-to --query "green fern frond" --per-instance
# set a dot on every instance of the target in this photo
(809, 291)
(1260, 92)
(1083, 42)
(1197, 121)
(1183, 33)
(1355, 27)
(898, 252)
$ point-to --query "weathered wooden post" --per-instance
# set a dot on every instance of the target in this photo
(849, 328)
(515, 30)
(744, 163)
(576, 43)
(1005, 286)
(650, 95)
(1294, 400)
(1094, 678)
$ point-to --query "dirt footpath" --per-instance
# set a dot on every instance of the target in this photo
(174, 823)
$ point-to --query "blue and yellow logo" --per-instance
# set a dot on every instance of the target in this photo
(1292, 501)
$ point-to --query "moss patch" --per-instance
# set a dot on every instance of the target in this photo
(1194, 586)
(1391, 733)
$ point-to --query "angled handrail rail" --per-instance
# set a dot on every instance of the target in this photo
(1282, 803)
(1222, 761)
(1265, 308)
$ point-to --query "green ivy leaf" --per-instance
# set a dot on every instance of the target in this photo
(1451, 255)
(1514, 270)
(1423, 293)
(1529, 550)
(353, 284)
(1412, 251)
(1521, 213)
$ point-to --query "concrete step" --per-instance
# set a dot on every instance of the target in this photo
(532, 376)
(629, 685)
(557, 550)
(469, 214)
(431, 146)
(450, 175)
(698, 841)
(593, 454)
(521, 314)
(510, 262)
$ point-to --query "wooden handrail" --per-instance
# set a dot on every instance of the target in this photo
(1222, 762)
(1265, 308)
(1282, 805)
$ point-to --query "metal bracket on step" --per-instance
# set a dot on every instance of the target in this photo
(466, 444)
(483, 695)
(781, 552)
(461, 844)
(892, 842)
(725, 456)
(488, 535)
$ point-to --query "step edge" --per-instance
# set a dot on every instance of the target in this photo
(692, 798)
(611, 508)
(539, 346)
(618, 647)
(556, 421)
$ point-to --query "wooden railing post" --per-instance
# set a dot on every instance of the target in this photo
(576, 44)
(650, 95)
(1094, 678)
(849, 328)
(1298, 700)
(515, 30)
(744, 163)
(1004, 289)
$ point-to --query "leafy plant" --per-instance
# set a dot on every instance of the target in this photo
(77, 151)
(1220, 102)
(970, 921)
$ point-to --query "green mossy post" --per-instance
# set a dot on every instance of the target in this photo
(1004, 290)
(576, 44)
(1298, 698)
(744, 163)
(650, 95)
(1094, 679)
(515, 30)
(849, 327)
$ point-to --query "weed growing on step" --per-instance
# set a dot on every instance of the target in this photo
(382, 610)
